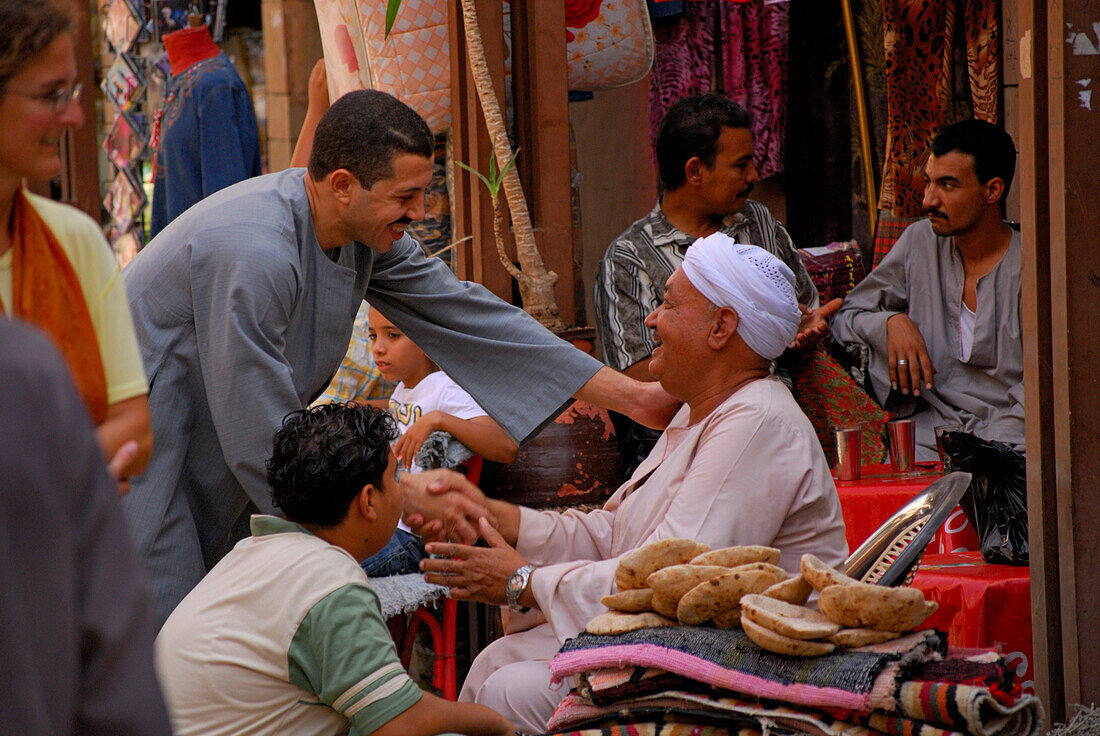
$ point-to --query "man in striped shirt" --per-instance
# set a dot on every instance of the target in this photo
(285, 635)
(705, 164)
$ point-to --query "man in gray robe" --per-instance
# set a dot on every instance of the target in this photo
(76, 626)
(244, 306)
(941, 312)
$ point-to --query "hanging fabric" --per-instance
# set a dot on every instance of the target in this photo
(920, 69)
(739, 49)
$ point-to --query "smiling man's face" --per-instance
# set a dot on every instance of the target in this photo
(380, 214)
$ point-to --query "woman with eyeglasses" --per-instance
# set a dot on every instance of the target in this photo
(56, 270)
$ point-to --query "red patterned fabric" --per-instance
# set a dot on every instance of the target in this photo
(831, 399)
(887, 232)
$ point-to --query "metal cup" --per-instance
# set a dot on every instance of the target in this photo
(849, 441)
(903, 443)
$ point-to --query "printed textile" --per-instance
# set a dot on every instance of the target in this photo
(739, 49)
(920, 85)
(727, 659)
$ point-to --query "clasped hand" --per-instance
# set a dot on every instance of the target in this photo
(443, 505)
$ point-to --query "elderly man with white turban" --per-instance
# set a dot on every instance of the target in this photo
(738, 465)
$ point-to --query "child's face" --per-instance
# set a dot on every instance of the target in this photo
(395, 356)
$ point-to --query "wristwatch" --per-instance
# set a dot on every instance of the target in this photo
(517, 583)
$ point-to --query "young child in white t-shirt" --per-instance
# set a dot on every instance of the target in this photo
(426, 400)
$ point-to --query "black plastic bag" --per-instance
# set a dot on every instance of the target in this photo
(995, 503)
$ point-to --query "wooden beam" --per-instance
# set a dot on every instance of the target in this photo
(1033, 185)
(471, 206)
(1074, 190)
(540, 90)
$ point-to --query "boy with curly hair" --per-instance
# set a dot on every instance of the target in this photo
(285, 635)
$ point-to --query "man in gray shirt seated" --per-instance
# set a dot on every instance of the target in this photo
(941, 312)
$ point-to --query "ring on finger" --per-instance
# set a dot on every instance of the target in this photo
(903, 361)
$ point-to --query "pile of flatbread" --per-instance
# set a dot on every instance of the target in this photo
(681, 582)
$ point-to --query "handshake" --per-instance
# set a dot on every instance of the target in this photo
(443, 506)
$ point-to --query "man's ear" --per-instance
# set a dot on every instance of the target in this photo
(724, 327)
(367, 502)
(693, 171)
(994, 190)
(340, 183)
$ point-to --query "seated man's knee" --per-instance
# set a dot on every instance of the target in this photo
(522, 693)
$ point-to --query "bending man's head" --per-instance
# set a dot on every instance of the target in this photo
(728, 306)
(362, 132)
(323, 457)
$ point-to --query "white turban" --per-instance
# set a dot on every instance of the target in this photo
(756, 284)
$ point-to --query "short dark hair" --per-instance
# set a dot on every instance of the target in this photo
(691, 127)
(991, 147)
(323, 456)
(27, 27)
(362, 132)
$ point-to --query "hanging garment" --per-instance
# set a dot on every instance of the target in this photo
(739, 49)
(920, 85)
(206, 138)
(755, 42)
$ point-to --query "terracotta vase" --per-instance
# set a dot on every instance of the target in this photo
(574, 461)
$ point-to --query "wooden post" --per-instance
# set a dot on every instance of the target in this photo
(1032, 178)
(292, 45)
(471, 207)
(1065, 413)
(540, 90)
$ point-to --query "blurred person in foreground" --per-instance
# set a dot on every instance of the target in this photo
(76, 624)
(56, 270)
(738, 465)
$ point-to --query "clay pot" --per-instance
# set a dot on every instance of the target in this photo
(574, 461)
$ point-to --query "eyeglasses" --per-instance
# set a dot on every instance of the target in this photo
(59, 99)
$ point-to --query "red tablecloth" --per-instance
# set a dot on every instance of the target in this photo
(981, 605)
(868, 502)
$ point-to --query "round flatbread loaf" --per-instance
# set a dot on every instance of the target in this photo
(776, 570)
(731, 619)
(864, 606)
(852, 638)
(820, 575)
(718, 595)
(736, 556)
(792, 590)
(670, 584)
(797, 622)
(630, 601)
(614, 622)
(634, 567)
(779, 644)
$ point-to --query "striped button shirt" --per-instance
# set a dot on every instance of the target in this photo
(632, 275)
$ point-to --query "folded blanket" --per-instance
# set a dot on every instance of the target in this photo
(658, 727)
(769, 716)
(725, 658)
(968, 708)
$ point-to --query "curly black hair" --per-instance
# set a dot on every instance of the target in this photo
(322, 457)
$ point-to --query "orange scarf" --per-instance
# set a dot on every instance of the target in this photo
(46, 292)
